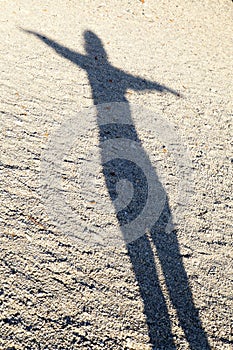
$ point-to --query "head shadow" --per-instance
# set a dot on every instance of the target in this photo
(94, 46)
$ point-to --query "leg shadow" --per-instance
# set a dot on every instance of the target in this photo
(141, 253)
(155, 309)
(176, 279)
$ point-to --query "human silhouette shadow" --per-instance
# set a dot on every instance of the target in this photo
(109, 84)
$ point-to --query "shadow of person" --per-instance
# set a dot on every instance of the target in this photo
(110, 84)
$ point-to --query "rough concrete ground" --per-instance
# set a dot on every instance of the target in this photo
(56, 293)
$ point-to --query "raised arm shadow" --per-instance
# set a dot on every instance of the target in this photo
(99, 69)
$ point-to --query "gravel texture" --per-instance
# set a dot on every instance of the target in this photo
(163, 291)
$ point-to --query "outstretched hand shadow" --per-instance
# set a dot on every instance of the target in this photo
(109, 84)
